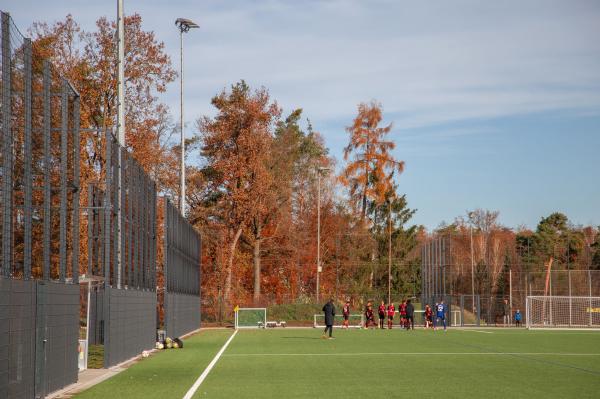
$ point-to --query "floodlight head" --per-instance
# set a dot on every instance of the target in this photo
(185, 24)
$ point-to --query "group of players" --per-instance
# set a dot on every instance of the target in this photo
(406, 310)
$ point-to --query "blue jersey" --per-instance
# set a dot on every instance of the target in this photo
(518, 316)
(440, 310)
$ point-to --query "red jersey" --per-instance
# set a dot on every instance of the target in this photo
(402, 309)
(346, 310)
(428, 312)
(381, 310)
(391, 311)
(369, 314)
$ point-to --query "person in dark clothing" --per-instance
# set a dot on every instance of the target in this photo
(381, 314)
(410, 315)
(329, 311)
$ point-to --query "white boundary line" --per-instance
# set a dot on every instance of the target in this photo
(415, 354)
(208, 368)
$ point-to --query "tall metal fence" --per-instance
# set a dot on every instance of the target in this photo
(181, 274)
(39, 213)
(53, 248)
(122, 252)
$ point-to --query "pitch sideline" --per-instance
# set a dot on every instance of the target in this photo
(208, 368)
(414, 354)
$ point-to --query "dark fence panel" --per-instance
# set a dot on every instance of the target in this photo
(38, 337)
(17, 338)
(130, 326)
(61, 311)
(181, 273)
(182, 314)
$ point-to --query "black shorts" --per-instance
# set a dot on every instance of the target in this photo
(346, 317)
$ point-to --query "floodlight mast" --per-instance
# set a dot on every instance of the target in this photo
(184, 25)
(319, 269)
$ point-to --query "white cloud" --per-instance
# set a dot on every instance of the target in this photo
(427, 62)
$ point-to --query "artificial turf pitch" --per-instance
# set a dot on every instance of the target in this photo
(297, 363)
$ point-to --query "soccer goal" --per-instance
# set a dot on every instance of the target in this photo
(562, 312)
(354, 321)
(250, 318)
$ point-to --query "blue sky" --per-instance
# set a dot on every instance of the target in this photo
(494, 104)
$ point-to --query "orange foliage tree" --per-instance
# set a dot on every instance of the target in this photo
(369, 174)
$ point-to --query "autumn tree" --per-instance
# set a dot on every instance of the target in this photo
(89, 61)
(596, 248)
(235, 145)
(370, 171)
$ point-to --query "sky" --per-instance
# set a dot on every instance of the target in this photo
(494, 105)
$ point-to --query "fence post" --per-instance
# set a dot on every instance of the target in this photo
(7, 189)
(590, 293)
(75, 222)
(47, 189)
(27, 162)
(63, 180)
(570, 299)
(478, 310)
(510, 294)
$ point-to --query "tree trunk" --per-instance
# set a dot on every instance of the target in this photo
(256, 261)
(233, 245)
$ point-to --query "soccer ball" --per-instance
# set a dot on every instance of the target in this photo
(161, 346)
(145, 354)
(175, 345)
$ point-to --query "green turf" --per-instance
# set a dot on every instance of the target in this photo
(296, 363)
(166, 374)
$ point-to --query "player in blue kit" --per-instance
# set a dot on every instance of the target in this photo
(440, 314)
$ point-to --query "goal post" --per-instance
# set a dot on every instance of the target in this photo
(250, 318)
(562, 312)
(354, 321)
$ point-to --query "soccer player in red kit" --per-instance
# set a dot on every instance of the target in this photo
(381, 314)
(428, 317)
(402, 309)
(391, 311)
(346, 314)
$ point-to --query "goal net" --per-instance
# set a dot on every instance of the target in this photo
(562, 312)
(250, 318)
(354, 321)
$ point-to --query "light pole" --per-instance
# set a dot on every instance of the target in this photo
(472, 261)
(120, 129)
(390, 252)
(319, 170)
(184, 25)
